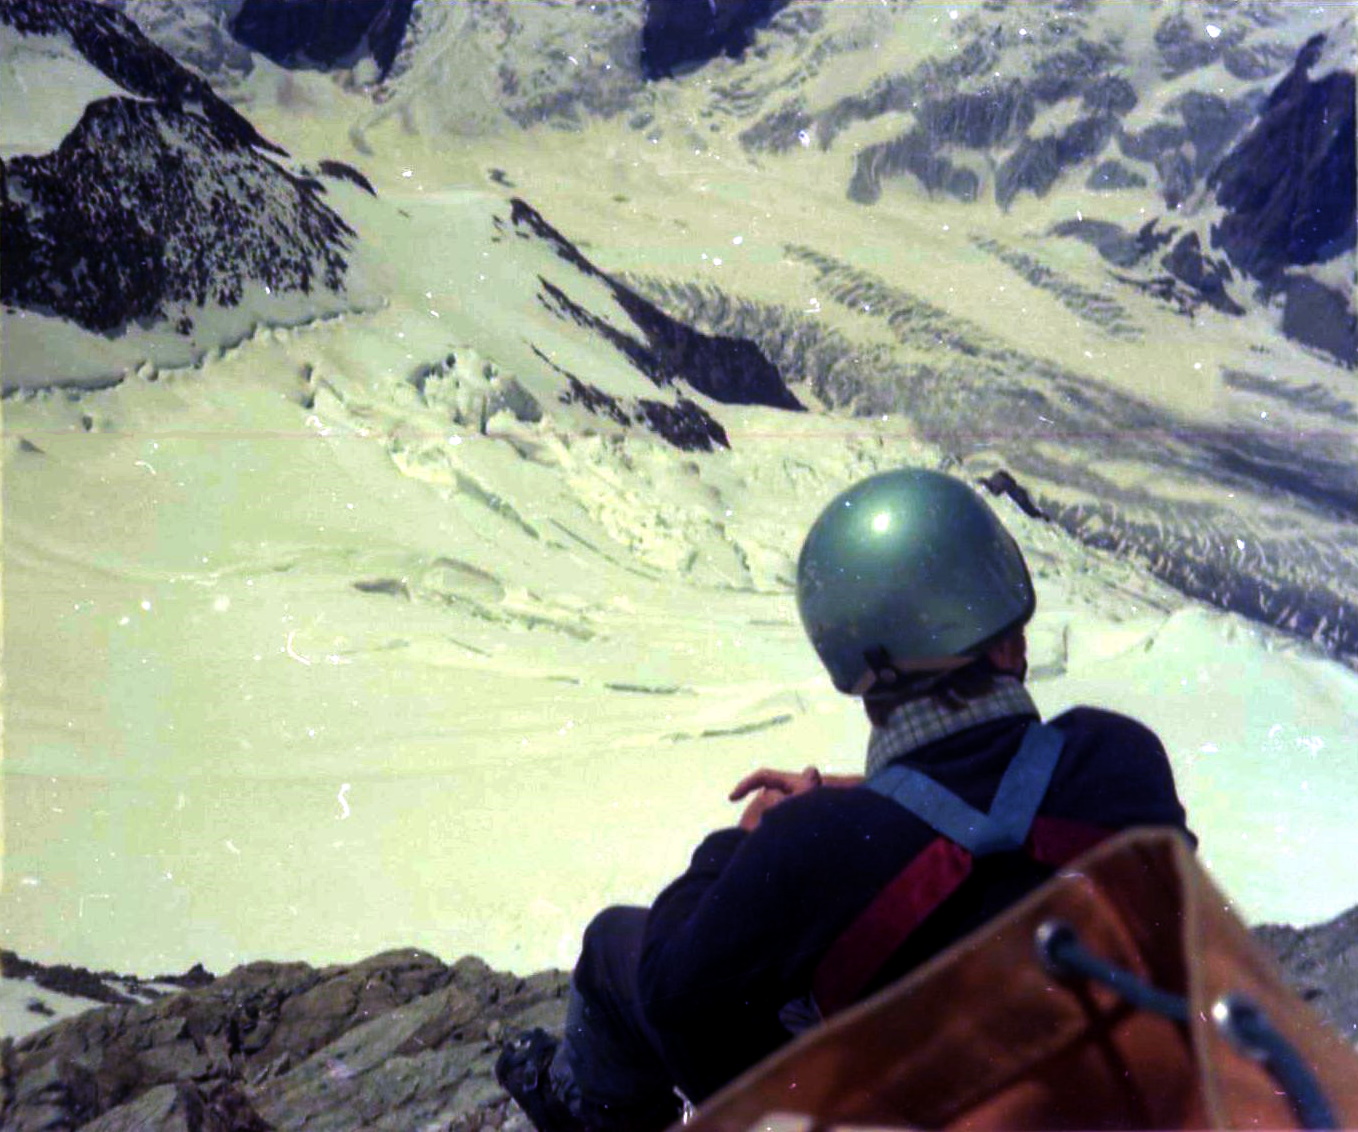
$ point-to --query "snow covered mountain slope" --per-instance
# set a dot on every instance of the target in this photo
(1024, 108)
(443, 621)
(987, 103)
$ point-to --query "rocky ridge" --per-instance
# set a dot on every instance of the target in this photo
(397, 1041)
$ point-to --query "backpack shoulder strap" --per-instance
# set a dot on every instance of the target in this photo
(1005, 828)
(1058, 841)
(864, 948)
(870, 940)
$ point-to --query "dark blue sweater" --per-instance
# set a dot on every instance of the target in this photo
(739, 935)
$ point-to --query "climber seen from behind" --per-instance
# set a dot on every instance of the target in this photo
(915, 597)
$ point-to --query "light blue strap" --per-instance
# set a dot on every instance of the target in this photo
(1011, 815)
(1025, 783)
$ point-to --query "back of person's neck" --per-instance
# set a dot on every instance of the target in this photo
(923, 720)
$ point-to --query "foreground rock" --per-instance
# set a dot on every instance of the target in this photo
(398, 1041)
(1321, 964)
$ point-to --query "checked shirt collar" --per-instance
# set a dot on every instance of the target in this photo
(927, 720)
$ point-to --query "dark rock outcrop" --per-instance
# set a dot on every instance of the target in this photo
(1193, 277)
(1288, 186)
(1176, 176)
(989, 95)
(324, 33)
(1038, 163)
(1113, 175)
(915, 154)
(1111, 94)
(685, 424)
(1204, 275)
(730, 370)
(346, 172)
(116, 47)
(1108, 239)
(979, 121)
(156, 203)
(1321, 317)
(103, 986)
(1184, 46)
(193, 224)
(681, 34)
(989, 122)
(1212, 124)
(1073, 70)
(1001, 482)
(1152, 142)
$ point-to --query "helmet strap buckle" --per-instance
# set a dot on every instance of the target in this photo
(884, 672)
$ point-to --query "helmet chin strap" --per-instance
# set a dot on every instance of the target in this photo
(881, 672)
(886, 676)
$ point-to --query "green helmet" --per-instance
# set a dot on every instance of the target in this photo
(908, 570)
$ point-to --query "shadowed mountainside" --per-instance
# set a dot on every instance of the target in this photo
(324, 33)
(679, 33)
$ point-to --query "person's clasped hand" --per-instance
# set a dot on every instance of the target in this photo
(770, 787)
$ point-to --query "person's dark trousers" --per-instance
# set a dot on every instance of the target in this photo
(608, 1067)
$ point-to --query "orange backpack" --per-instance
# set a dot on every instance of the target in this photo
(1123, 993)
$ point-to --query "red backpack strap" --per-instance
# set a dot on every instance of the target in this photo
(865, 946)
(1058, 841)
(884, 925)
(857, 956)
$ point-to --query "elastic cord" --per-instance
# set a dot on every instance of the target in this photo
(1241, 1021)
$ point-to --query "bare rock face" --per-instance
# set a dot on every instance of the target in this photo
(184, 1107)
(1321, 317)
(1205, 276)
(397, 1041)
(728, 369)
(1299, 210)
(159, 202)
(1285, 178)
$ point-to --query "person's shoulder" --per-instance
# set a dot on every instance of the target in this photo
(831, 801)
(1101, 725)
(1117, 772)
(831, 812)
